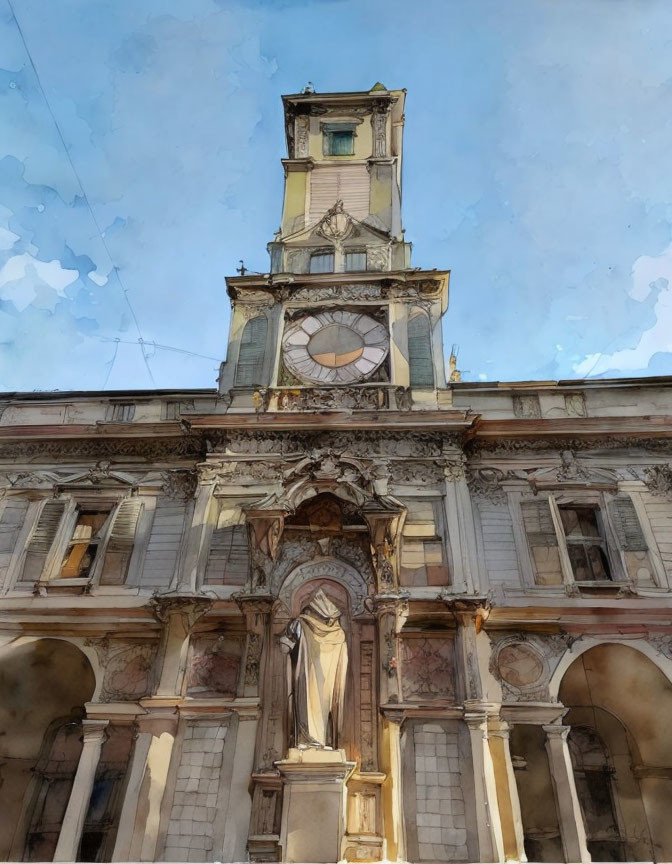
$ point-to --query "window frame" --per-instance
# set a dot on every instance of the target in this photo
(49, 578)
(322, 253)
(348, 252)
(614, 553)
(328, 129)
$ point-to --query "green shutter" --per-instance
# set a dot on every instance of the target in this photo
(538, 523)
(628, 530)
(250, 366)
(420, 352)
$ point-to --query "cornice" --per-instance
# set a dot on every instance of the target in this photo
(389, 421)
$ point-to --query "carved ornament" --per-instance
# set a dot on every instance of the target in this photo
(524, 664)
(658, 479)
(180, 485)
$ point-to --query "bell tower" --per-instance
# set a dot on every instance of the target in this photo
(341, 321)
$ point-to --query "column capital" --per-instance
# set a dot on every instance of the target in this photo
(499, 729)
(557, 731)
(94, 730)
(190, 607)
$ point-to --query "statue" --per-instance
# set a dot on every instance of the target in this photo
(315, 643)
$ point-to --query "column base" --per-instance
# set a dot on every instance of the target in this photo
(313, 806)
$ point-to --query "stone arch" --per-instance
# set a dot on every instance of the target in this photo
(586, 643)
(326, 568)
(45, 684)
(619, 703)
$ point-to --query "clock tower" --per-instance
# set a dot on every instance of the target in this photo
(342, 321)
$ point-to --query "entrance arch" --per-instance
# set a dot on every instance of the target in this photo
(620, 708)
(44, 684)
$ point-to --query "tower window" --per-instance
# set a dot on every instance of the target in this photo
(420, 352)
(338, 139)
(322, 262)
(250, 368)
(355, 261)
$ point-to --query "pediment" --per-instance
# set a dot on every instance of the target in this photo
(337, 225)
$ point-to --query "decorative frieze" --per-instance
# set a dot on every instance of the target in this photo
(328, 398)
(365, 443)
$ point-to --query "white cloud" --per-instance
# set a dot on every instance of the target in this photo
(7, 238)
(648, 272)
(22, 275)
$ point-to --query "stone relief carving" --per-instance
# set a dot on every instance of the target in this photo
(364, 444)
(658, 480)
(454, 470)
(662, 642)
(336, 225)
(253, 659)
(428, 668)
(112, 448)
(338, 292)
(487, 483)
(524, 664)
(324, 398)
(377, 257)
(328, 568)
(416, 472)
(526, 406)
(180, 485)
(302, 127)
(379, 130)
(403, 398)
(128, 667)
(214, 665)
(507, 446)
(575, 404)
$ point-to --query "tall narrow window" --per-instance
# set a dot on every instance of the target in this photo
(420, 352)
(250, 368)
(121, 542)
(83, 546)
(322, 262)
(586, 544)
(543, 542)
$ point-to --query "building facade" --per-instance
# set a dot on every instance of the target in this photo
(339, 607)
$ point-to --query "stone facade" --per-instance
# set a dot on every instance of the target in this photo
(500, 556)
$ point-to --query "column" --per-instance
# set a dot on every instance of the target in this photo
(507, 792)
(178, 614)
(392, 793)
(490, 839)
(572, 830)
(80, 796)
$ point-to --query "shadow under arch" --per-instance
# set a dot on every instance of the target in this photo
(620, 706)
(44, 684)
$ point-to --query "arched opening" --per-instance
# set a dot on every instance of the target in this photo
(44, 684)
(620, 707)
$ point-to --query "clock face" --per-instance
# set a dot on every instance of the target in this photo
(334, 347)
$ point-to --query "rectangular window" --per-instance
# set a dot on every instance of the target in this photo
(593, 539)
(322, 262)
(586, 543)
(83, 545)
(355, 261)
(172, 411)
(123, 412)
(339, 142)
(423, 553)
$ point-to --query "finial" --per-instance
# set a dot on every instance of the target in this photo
(308, 89)
(242, 269)
(455, 374)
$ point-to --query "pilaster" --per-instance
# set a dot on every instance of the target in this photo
(507, 792)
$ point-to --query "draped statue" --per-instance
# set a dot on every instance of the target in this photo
(318, 654)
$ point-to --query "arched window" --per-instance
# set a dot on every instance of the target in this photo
(251, 355)
(420, 352)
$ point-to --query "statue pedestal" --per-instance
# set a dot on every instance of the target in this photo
(313, 805)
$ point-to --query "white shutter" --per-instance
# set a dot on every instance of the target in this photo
(627, 527)
(125, 525)
(47, 525)
(348, 183)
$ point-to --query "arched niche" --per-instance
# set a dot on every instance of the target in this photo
(328, 570)
(44, 685)
(620, 704)
(250, 365)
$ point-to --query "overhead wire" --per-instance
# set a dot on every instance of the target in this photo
(101, 235)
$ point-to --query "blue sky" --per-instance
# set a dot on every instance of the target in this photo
(139, 161)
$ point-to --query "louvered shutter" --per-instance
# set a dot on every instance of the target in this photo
(47, 525)
(250, 367)
(538, 523)
(11, 522)
(626, 523)
(420, 352)
(125, 525)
